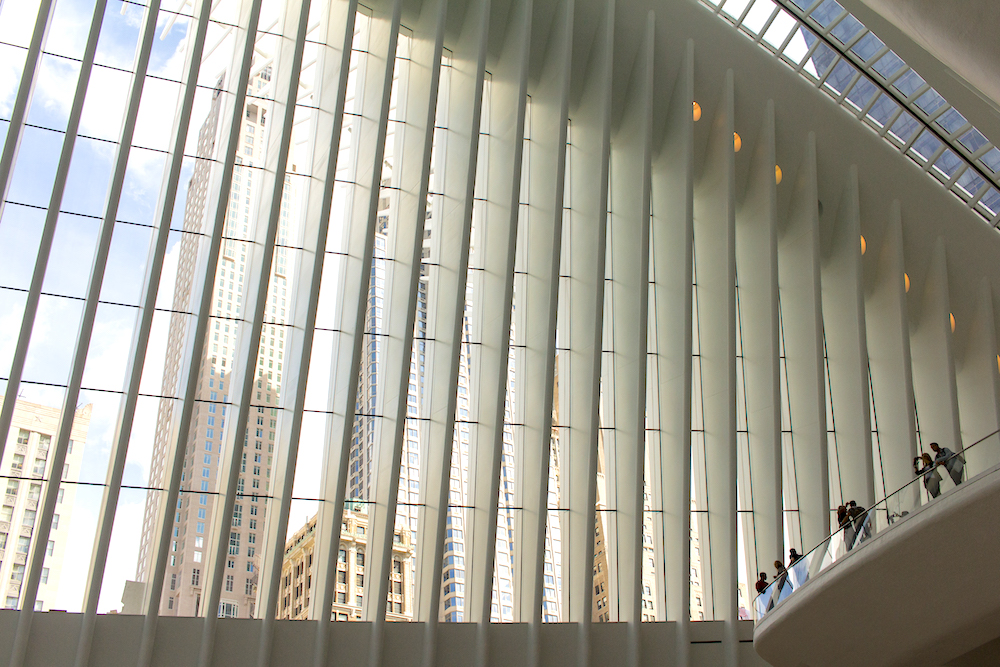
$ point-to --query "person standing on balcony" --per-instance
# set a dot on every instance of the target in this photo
(953, 462)
(923, 465)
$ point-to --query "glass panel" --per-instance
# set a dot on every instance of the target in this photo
(758, 16)
(861, 93)
(823, 57)
(847, 29)
(947, 165)
(925, 146)
(990, 202)
(888, 65)
(951, 121)
(904, 127)
(867, 46)
(827, 12)
(734, 8)
(776, 34)
(930, 102)
(882, 110)
(969, 183)
(840, 77)
(991, 160)
(908, 83)
(973, 140)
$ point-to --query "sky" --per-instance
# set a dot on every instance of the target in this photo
(67, 274)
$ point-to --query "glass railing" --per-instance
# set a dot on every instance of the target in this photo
(859, 525)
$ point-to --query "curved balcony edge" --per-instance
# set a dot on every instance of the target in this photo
(923, 593)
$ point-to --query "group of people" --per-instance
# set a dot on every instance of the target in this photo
(927, 467)
(851, 519)
(781, 572)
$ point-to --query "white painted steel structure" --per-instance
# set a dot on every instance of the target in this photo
(723, 351)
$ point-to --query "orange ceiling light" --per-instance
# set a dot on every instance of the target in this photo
(906, 282)
(737, 142)
(864, 244)
(696, 111)
(777, 175)
(952, 322)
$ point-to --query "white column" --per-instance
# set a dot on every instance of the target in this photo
(334, 36)
(715, 257)
(116, 469)
(446, 306)
(979, 384)
(140, 341)
(581, 305)
(757, 273)
(542, 235)
(496, 236)
(671, 239)
(285, 82)
(25, 88)
(51, 215)
(417, 87)
(237, 81)
(374, 82)
(934, 384)
(889, 359)
(40, 535)
(625, 390)
(802, 328)
(847, 346)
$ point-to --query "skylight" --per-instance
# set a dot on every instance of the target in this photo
(831, 48)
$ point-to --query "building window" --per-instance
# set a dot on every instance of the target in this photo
(50, 547)
(228, 610)
(45, 575)
(17, 572)
(195, 577)
(22, 437)
(229, 583)
(170, 603)
(12, 485)
(173, 582)
(17, 463)
(39, 467)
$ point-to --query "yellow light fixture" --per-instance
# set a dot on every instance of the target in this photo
(737, 142)
(906, 282)
(777, 175)
(864, 244)
(697, 111)
(952, 322)
(998, 362)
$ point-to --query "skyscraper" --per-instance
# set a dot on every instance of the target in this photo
(205, 447)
